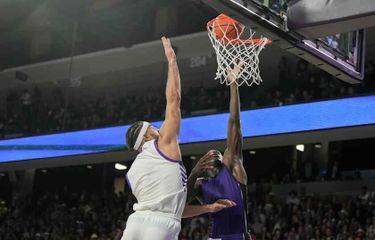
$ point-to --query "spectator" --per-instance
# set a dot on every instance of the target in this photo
(45, 113)
(86, 216)
(364, 197)
(293, 198)
(335, 173)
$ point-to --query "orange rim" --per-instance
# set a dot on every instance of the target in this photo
(257, 41)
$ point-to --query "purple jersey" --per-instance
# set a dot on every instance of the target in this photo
(229, 223)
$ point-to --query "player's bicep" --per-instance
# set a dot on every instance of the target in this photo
(170, 128)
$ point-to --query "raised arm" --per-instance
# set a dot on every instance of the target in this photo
(169, 131)
(233, 154)
(234, 134)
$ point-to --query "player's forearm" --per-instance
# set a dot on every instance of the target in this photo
(234, 135)
(195, 210)
(173, 89)
(234, 105)
(191, 190)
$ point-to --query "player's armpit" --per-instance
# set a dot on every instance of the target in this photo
(235, 165)
(170, 149)
(239, 173)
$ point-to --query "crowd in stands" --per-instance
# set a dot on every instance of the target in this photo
(64, 216)
(299, 216)
(28, 112)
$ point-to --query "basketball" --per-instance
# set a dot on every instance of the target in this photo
(225, 28)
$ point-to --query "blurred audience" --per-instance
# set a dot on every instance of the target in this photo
(27, 112)
(66, 215)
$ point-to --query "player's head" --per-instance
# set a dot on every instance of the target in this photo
(217, 164)
(139, 133)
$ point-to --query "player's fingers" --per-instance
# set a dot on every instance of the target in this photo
(169, 43)
(221, 206)
(229, 69)
(212, 154)
(227, 202)
(240, 64)
(210, 164)
(231, 74)
(166, 42)
(214, 151)
(204, 161)
(239, 67)
(217, 207)
(208, 159)
(206, 156)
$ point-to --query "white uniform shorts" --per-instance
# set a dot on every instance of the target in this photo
(148, 225)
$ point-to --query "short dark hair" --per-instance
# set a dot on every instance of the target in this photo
(132, 134)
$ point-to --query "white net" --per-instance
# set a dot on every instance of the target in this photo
(231, 52)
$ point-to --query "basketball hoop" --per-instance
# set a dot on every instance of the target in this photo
(224, 33)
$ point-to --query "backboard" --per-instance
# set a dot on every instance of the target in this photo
(341, 54)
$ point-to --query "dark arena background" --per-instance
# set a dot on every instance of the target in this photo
(75, 74)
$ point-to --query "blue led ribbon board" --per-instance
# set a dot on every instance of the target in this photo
(338, 113)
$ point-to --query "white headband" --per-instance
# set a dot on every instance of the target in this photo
(141, 134)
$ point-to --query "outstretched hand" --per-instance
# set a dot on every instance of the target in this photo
(168, 49)
(233, 74)
(220, 205)
(206, 162)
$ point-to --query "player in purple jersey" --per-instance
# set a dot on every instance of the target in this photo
(226, 179)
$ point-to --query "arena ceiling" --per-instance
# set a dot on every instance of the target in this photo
(21, 21)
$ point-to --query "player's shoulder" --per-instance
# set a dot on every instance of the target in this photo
(168, 150)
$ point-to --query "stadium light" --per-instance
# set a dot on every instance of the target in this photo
(89, 166)
(252, 152)
(300, 147)
(192, 157)
(119, 166)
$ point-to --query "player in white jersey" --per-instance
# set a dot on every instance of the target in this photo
(158, 177)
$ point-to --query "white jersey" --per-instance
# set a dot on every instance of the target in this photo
(158, 183)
